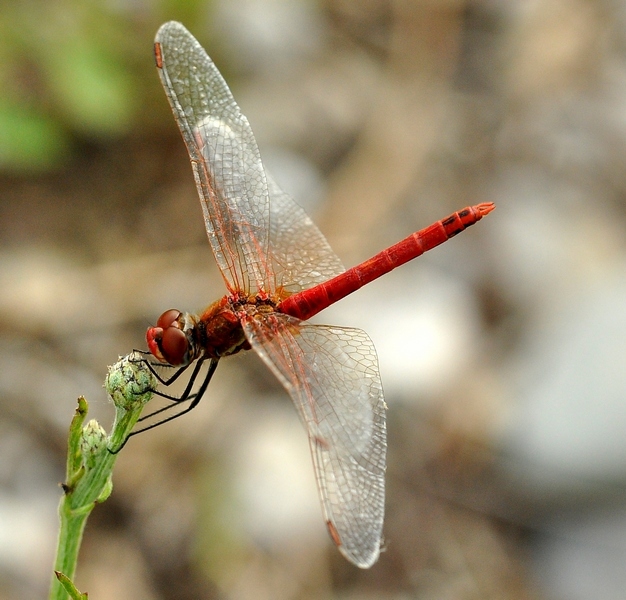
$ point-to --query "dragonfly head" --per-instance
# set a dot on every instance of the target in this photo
(168, 342)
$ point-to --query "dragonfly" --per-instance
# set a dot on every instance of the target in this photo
(279, 271)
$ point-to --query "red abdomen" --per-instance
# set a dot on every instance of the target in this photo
(309, 302)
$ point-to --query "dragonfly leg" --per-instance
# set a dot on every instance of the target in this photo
(186, 396)
(151, 366)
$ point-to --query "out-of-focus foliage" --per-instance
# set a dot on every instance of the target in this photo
(29, 138)
(73, 70)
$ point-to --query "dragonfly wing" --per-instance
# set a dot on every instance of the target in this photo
(331, 374)
(224, 155)
(301, 255)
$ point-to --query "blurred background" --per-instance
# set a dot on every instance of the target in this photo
(502, 353)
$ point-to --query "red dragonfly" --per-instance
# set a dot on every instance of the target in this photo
(279, 271)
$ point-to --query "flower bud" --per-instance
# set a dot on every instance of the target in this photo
(93, 442)
(130, 383)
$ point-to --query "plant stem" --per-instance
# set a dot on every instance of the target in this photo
(90, 460)
(70, 537)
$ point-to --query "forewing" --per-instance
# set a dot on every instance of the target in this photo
(331, 374)
(301, 255)
(224, 156)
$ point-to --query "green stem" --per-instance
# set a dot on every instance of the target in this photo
(70, 537)
(90, 462)
(71, 525)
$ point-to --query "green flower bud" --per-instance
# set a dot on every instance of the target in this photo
(93, 442)
(130, 383)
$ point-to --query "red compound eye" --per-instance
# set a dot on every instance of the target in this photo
(166, 341)
(167, 318)
(174, 345)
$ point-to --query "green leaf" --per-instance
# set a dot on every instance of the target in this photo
(69, 587)
(29, 141)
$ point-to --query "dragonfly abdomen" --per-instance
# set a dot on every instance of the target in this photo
(309, 302)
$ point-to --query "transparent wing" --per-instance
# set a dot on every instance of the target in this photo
(331, 374)
(225, 159)
(300, 253)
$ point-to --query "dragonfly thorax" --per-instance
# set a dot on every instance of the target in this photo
(180, 338)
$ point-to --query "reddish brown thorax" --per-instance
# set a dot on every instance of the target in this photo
(180, 338)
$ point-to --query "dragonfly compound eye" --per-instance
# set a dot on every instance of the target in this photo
(167, 342)
(174, 345)
(167, 318)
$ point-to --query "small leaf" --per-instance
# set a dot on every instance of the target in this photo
(69, 587)
(74, 454)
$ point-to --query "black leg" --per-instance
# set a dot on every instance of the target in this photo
(161, 379)
(186, 396)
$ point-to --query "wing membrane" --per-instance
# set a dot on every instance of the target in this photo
(300, 253)
(224, 156)
(331, 374)
(244, 209)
